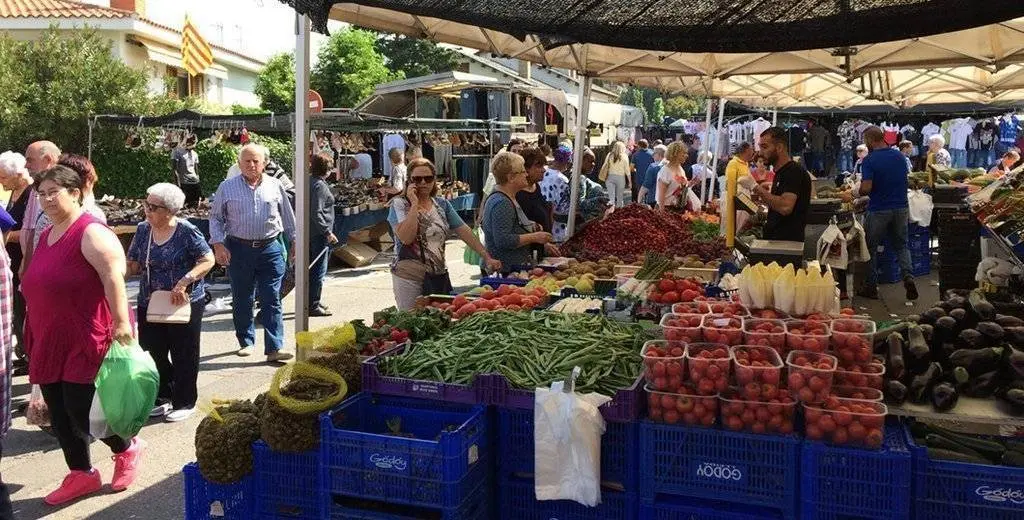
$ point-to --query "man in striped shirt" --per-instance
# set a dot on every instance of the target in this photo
(248, 214)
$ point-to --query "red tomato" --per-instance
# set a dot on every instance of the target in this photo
(666, 285)
(670, 297)
(671, 416)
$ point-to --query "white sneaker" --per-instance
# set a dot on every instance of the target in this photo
(160, 410)
(180, 414)
(245, 351)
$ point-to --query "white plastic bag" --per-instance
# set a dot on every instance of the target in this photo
(832, 248)
(37, 413)
(567, 438)
(857, 243)
(921, 206)
(97, 421)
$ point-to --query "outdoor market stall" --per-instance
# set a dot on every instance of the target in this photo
(736, 407)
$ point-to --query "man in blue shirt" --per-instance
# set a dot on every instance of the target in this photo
(884, 178)
(649, 177)
(641, 160)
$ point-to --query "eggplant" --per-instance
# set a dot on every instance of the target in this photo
(1015, 335)
(895, 392)
(942, 353)
(1009, 321)
(958, 315)
(944, 396)
(978, 361)
(971, 338)
(1014, 398)
(922, 383)
(931, 315)
(928, 331)
(984, 385)
(894, 355)
(958, 376)
(981, 306)
(916, 344)
(1012, 458)
(1014, 359)
(991, 330)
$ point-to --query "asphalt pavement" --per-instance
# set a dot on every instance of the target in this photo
(33, 464)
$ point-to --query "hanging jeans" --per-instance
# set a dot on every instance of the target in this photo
(257, 270)
(616, 185)
(845, 162)
(959, 158)
(892, 225)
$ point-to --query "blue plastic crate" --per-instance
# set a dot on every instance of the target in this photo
(477, 392)
(476, 507)
(517, 501)
(757, 470)
(619, 453)
(840, 483)
(287, 485)
(678, 508)
(208, 501)
(946, 489)
(439, 467)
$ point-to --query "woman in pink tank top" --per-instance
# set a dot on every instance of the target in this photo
(75, 289)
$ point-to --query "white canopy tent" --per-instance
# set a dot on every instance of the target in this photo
(991, 48)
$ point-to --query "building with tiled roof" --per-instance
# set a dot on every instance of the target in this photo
(141, 43)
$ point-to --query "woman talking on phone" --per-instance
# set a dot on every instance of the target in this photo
(421, 222)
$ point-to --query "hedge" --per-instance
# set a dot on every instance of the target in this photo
(126, 173)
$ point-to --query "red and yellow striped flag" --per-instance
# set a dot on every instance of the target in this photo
(196, 54)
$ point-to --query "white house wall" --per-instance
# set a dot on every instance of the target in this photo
(238, 88)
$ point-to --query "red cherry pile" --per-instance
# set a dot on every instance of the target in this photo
(810, 375)
(809, 335)
(663, 365)
(709, 366)
(773, 415)
(686, 407)
(769, 314)
(694, 307)
(722, 328)
(728, 308)
(765, 332)
(852, 340)
(846, 422)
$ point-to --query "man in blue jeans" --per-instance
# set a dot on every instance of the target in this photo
(884, 179)
(248, 214)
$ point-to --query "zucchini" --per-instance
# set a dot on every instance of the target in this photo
(935, 440)
(985, 447)
(1013, 458)
(954, 456)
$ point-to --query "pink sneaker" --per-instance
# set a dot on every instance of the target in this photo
(77, 484)
(126, 464)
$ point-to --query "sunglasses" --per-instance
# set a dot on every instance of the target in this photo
(422, 180)
(152, 207)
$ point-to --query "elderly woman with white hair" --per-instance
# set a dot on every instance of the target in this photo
(14, 177)
(171, 255)
(937, 153)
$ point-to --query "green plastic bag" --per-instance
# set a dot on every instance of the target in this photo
(127, 384)
(472, 257)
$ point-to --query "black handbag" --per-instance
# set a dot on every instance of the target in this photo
(439, 283)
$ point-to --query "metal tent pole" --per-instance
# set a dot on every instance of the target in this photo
(718, 144)
(775, 117)
(300, 171)
(706, 145)
(582, 117)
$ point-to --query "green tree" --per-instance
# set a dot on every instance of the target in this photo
(52, 84)
(680, 107)
(275, 84)
(412, 57)
(348, 68)
(657, 113)
(633, 96)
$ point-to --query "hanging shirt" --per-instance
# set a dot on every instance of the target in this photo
(891, 134)
(847, 135)
(816, 137)
(387, 143)
(987, 132)
(758, 126)
(928, 131)
(1009, 127)
(959, 130)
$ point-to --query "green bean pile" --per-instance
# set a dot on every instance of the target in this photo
(530, 349)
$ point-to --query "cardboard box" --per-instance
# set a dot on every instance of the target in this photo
(355, 254)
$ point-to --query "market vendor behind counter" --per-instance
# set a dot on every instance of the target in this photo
(789, 198)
